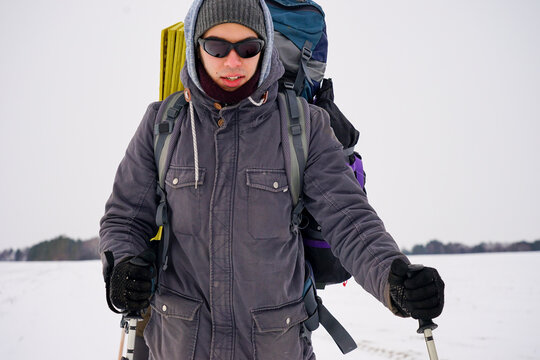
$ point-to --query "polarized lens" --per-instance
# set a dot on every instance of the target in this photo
(248, 49)
(221, 48)
(217, 48)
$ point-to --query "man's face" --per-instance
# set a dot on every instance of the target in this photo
(231, 71)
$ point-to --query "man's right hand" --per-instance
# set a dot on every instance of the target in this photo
(133, 282)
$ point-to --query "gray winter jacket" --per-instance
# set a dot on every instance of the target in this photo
(233, 288)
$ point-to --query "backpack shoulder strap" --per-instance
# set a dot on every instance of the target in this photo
(295, 146)
(163, 131)
(294, 130)
(162, 141)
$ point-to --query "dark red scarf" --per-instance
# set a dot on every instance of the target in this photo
(226, 97)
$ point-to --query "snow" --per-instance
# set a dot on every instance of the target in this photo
(57, 310)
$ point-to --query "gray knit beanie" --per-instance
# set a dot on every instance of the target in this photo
(244, 12)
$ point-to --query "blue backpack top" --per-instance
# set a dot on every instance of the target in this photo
(300, 37)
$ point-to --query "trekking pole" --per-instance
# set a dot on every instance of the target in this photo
(425, 325)
(129, 324)
(425, 328)
(122, 337)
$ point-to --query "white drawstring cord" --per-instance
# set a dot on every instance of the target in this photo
(257, 103)
(194, 136)
(194, 133)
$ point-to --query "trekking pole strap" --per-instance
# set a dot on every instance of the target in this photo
(341, 337)
(109, 257)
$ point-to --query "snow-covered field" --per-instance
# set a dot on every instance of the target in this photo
(57, 310)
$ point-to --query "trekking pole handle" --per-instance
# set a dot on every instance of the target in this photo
(425, 325)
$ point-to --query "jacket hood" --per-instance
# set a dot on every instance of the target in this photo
(189, 27)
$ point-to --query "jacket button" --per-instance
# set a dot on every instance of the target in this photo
(288, 321)
(175, 181)
(217, 106)
(221, 122)
(164, 308)
(276, 185)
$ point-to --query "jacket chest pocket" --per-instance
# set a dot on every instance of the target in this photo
(183, 199)
(269, 203)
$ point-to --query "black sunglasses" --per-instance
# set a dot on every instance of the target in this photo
(220, 48)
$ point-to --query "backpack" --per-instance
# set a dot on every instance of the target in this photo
(300, 37)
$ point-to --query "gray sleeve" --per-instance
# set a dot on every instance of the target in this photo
(349, 224)
(129, 220)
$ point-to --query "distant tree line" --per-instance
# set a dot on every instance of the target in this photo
(65, 248)
(59, 248)
(437, 247)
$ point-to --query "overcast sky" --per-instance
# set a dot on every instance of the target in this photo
(445, 94)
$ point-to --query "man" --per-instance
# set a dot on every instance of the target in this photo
(235, 276)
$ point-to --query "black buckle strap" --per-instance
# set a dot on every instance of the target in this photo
(311, 304)
(296, 216)
(174, 111)
(161, 213)
(165, 127)
(341, 337)
(302, 73)
(318, 313)
(306, 51)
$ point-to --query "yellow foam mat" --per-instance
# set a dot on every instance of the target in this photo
(172, 59)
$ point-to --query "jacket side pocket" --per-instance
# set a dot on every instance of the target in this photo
(276, 331)
(173, 326)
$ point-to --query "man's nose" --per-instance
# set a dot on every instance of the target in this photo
(233, 60)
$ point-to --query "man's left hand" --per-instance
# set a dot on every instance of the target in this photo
(416, 290)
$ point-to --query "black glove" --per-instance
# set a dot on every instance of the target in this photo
(416, 290)
(133, 282)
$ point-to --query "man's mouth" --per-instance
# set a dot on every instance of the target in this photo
(232, 81)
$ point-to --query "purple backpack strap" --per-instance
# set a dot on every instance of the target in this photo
(358, 168)
(357, 165)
